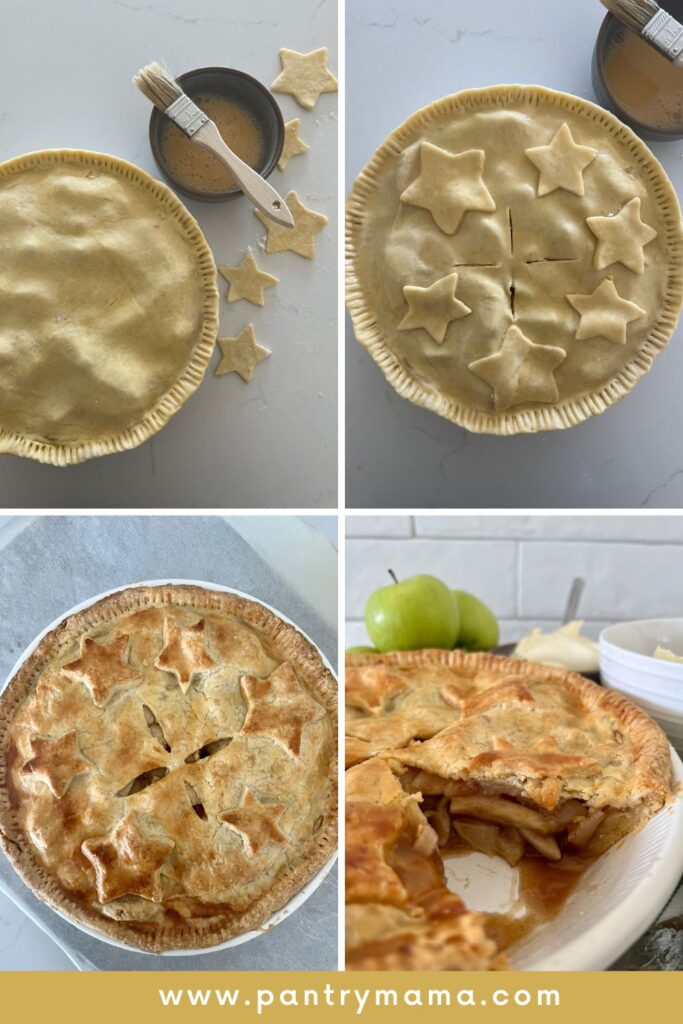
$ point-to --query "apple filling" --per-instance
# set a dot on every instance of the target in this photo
(499, 820)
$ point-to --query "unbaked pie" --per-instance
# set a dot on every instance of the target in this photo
(474, 752)
(515, 259)
(109, 305)
(168, 766)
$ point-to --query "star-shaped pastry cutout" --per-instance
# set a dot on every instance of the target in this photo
(294, 145)
(279, 707)
(604, 314)
(102, 668)
(241, 354)
(184, 652)
(255, 822)
(520, 371)
(56, 761)
(305, 76)
(247, 281)
(127, 862)
(621, 238)
(561, 163)
(370, 689)
(299, 239)
(448, 185)
(433, 308)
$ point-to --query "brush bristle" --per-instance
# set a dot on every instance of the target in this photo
(157, 85)
(634, 13)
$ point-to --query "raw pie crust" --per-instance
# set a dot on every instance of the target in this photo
(515, 259)
(507, 757)
(168, 767)
(109, 308)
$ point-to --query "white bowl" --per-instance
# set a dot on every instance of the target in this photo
(300, 897)
(614, 902)
(626, 661)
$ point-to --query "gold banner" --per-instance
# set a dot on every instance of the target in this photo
(391, 998)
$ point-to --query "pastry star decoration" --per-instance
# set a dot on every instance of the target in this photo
(294, 145)
(604, 314)
(247, 281)
(371, 688)
(241, 354)
(255, 822)
(56, 761)
(184, 652)
(521, 371)
(305, 76)
(127, 862)
(102, 668)
(279, 707)
(562, 163)
(621, 238)
(448, 185)
(433, 308)
(299, 239)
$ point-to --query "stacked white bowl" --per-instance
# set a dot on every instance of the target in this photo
(656, 685)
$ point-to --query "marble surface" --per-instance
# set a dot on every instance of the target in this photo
(250, 555)
(268, 444)
(402, 55)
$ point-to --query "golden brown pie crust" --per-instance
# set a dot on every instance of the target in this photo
(234, 710)
(468, 729)
(593, 373)
(112, 309)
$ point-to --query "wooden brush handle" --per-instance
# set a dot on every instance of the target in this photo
(252, 184)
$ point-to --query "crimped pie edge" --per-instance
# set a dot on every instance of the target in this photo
(293, 645)
(570, 411)
(64, 454)
(653, 776)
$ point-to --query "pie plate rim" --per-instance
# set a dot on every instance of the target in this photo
(297, 900)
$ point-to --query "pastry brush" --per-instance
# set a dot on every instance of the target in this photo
(655, 25)
(157, 85)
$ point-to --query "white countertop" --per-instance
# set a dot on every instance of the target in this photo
(401, 56)
(271, 443)
(23, 945)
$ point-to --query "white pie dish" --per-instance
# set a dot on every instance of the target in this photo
(615, 901)
(299, 898)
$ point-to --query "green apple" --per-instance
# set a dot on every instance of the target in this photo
(362, 650)
(417, 612)
(478, 625)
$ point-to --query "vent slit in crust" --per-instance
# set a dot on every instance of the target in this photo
(208, 749)
(142, 781)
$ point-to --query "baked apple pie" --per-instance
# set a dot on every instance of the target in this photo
(475, 752)
(167, 766)
(515, 259)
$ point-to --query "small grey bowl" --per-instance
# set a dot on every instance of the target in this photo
(248, 93)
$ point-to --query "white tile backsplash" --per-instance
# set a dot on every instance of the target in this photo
(623, 581)
(487, 568)
(379, 526)
(653, 529)
(523, 566)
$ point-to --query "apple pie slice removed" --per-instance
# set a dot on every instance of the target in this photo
(537, 765)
